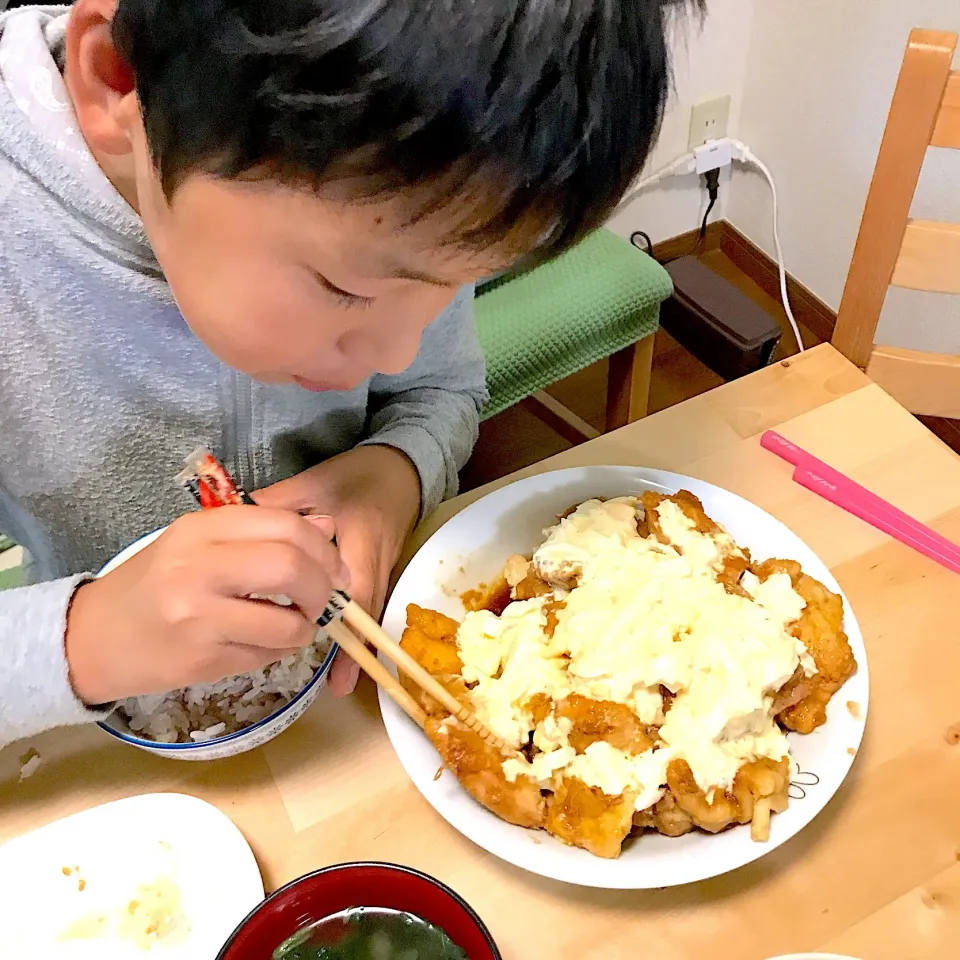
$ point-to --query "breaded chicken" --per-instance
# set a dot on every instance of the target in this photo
(735, 559)
(519, 581)
(586, 817)
(539, 706)
(551, 613)
(710, 816)
(479, 768)
(687, 502)
(495, 597)
(531, 587)
(431, 639)
(761, 781)
(595, 720)
(666, 816)
(820, 629)
(731, 571)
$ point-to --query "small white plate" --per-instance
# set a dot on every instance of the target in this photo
(471, 549)
(167, 844)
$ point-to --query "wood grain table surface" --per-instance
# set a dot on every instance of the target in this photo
(876, 876)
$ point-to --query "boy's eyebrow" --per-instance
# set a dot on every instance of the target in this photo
(406, 273)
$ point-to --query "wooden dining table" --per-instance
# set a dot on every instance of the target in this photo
(876, 876)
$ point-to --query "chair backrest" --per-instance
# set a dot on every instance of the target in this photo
(894, 250)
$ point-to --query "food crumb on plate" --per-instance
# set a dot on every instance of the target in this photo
(75, 871)
(854, 709)
(89, 927)
(154, 916)
(29, 763)
(852, 751)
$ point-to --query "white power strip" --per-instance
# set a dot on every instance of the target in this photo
(713, 155)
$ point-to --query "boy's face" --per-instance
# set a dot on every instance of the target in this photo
(291, 288)
(286, 285)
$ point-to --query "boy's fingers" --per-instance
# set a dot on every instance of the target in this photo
(269, 570)
(343, 675)
(290, 494)
(247, 624)
(238, 524)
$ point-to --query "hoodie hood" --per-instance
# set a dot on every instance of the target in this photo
(39, 131)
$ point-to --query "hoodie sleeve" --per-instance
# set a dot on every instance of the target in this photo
(431, 412)
(35, 689)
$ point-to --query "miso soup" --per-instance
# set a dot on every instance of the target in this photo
(370, 933)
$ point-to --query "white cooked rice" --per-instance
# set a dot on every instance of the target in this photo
(206, 711)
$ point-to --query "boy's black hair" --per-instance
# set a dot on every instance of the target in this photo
(544, 109)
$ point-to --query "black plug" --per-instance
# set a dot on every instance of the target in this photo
(711, 180)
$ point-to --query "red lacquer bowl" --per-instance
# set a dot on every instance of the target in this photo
(332, 889)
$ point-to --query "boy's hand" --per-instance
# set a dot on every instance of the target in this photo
(177, 612)
(373, 495)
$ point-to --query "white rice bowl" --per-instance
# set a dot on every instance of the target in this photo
(214, 720)
(206, 711)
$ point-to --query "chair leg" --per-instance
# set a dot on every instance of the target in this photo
(559, 418)
(628, 385)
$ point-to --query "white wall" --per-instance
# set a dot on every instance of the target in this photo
(818, 80)
(708, 61)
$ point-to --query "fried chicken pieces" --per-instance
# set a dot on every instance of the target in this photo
(582, 815)
(820, 629)
(479, 768)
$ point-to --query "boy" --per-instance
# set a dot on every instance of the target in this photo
(255, 225)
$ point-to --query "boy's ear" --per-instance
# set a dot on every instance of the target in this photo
(100, 84)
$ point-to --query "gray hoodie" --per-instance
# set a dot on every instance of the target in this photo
(104, 389)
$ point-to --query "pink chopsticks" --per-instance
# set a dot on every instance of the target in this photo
(840, 490)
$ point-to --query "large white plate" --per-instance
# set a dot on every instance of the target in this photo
(472, 547)
(119, 848)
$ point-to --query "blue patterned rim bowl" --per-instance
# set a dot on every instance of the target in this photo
(231, 744)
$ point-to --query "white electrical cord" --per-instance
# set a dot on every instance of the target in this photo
(687, 163)
(743, 152)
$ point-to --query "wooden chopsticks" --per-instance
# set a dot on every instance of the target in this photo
(361, 626)
(358, 651)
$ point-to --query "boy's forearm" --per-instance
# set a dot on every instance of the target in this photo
(436, 430)
(35, 689)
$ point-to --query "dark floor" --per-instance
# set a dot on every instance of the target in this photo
(947, 430)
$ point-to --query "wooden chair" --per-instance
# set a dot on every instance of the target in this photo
(600, 299)
(893, 249)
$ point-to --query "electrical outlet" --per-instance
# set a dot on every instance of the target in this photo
(708, 121)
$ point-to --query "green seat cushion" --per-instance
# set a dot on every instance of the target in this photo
(11, 558)
(548, 323)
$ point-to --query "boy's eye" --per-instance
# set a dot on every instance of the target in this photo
(343, 297)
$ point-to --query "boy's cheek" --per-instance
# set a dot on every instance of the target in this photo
(244, 333)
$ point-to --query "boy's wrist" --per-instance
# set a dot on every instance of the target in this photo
(88, 663)
(405, 480)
